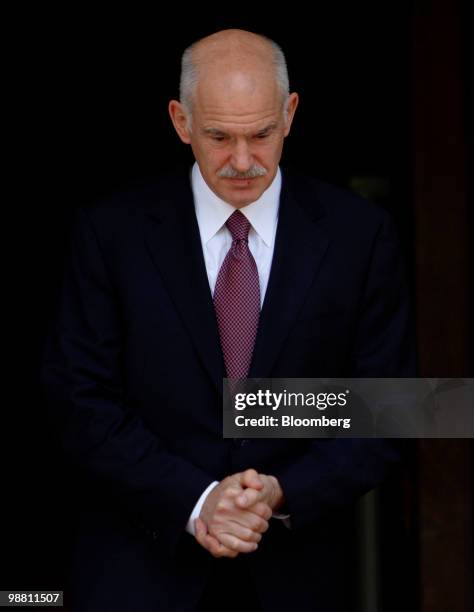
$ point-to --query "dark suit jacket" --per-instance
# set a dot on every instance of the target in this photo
(134, 370)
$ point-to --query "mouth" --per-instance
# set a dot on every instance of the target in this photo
(241, 181)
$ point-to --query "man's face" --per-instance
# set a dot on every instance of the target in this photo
(237, 134)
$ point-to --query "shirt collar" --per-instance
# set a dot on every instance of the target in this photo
(212, 212)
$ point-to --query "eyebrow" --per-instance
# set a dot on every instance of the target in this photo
(268, 128)
(216, 132)
(213, 132)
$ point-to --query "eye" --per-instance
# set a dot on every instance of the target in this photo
(262, 136)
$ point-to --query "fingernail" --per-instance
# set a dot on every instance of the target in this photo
(242, 499)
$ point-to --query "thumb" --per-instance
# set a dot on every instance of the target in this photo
(250, 478)
(200, 528)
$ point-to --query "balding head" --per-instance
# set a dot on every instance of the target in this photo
(232, 59)
(235, 84)
(236, 44)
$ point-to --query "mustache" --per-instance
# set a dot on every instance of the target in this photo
(230, 172)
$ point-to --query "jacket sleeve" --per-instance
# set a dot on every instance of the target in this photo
(334, 473)
(83, 377)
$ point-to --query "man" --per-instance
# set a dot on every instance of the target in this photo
(238, 270)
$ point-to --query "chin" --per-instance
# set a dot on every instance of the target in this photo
(243, 198)
(242, 201)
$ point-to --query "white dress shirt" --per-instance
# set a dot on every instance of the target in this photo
(216, 239)
(212, 214)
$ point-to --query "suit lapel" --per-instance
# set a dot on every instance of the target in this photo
(300, 246)
(172, 237)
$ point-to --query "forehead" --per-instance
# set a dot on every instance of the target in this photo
(240, 99)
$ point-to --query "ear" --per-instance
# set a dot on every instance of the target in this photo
(293, 100)
(179, 118)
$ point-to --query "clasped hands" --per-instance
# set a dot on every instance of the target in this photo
(236, 512)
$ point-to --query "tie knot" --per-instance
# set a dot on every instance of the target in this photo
(239, 226)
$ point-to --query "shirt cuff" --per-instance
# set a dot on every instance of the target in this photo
(283, 517)
(197, 508)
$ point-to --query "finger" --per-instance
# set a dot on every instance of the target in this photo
(200, 526)
(200, 530)
(251, 478)
(248, 498)
(210, 543)
(262, 510)
(231, 541)
(232, 491)
(229, 511)
(245, 520)
(240, 531)
(255, 518)
(217, 549)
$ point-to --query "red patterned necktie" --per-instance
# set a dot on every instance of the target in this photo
(237, 300)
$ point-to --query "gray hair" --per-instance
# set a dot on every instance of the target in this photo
(189, 77)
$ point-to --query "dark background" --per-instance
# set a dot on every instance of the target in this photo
(386, 98)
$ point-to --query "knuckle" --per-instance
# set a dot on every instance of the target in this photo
(218, 549)
(212, 546)
(238, 545)
(268, 514)
(254, 537)
(243, 545)
(215, 533)
(250, 523)
(232, 543)
(252, 496)
(231, 492)
(228, 541)
(248, 535)
(257, 523)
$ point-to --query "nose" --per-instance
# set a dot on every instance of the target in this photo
(241, 156)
